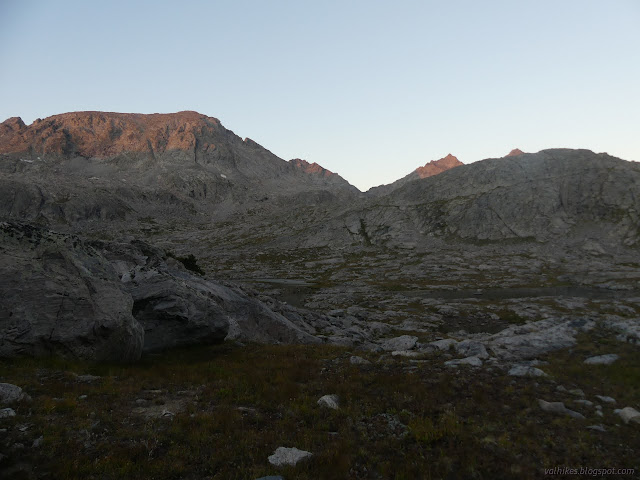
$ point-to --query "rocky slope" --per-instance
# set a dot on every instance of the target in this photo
(430, 169)
(560, 196)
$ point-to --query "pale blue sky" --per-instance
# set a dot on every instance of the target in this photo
(369, 89)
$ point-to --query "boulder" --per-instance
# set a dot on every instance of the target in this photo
(526, 371)
(473, 361)
(329, 401)
(606, 399)
(62, 297)
(403, 342)
(179, 308)
(558, 408)
(356, 360)
(470, 348)
(10, 393)
(628, 414)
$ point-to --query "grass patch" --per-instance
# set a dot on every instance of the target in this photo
(218, 412)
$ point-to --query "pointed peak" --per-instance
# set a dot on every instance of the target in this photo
(435, 167)
(310, 167)
(514, 153)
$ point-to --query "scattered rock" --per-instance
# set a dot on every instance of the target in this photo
(38, 442)
(288, 456)
(558, 408)
(602, 359)
(329, 401)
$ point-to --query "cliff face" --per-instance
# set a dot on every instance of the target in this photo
(103, 135)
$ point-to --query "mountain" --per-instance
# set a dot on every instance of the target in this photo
(430, 169)
(184, 179)
(85, 166)
(557, 196)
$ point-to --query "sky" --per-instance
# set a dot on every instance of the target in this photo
(368, 89)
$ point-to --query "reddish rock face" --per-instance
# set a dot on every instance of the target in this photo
(438, 166)
(311, 167)
(103, 134)
(514, 153)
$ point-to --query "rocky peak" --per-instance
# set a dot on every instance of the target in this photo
(435, 167)
(311, 168)
(514, 153)
(11, 125)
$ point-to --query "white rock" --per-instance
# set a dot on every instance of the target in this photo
(288, 456)
(602, 359)
(558, 408)
(535, 338)
(329, 401)
(628, 414)
(606, 399)
(7, 412)
(525, 371)
(403, 342)
(10, 393)
(473, 361)
(355, 360)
